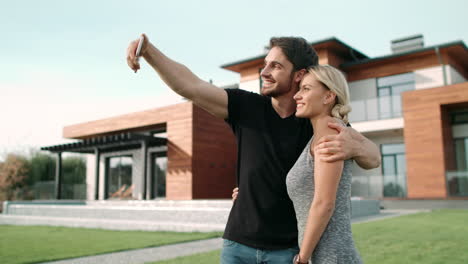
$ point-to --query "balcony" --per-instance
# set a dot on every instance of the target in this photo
(378, 186)
(457, 183)
(383, 107)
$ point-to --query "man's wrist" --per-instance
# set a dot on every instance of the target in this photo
(298, 260)
(359, 141)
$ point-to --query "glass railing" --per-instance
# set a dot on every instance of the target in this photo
(384, 107)
(378, 186)
(457, 183)
(45, 190)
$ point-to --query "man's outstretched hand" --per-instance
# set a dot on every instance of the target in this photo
(132, 59)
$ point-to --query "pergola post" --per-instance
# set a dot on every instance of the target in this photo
(146, 176)
(96, 185)
(58, 176)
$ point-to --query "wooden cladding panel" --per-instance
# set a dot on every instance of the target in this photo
(427, 136)
(127, 122)
(250, 74)
(179, 154)
(214, 157)
(330, 58)
(391, 66)
(460, 64)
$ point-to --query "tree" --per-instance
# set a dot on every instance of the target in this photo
(42, 168)
(74, 170)
(13, 174)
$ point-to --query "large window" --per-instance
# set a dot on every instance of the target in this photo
(461, 154)
(159, 169)
(459, 117)
(387, 103)
(457, 181)
(389, 91)
(119, 177)
(394, 170)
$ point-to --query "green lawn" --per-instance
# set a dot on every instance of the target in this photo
(431, 238)
(32, 244)
(439, 237)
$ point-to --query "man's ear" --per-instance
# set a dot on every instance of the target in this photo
(299, 75)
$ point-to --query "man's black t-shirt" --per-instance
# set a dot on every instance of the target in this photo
(268, 146)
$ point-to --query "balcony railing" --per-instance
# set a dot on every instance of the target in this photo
(384, 107)
(378, 186)
(457, 183)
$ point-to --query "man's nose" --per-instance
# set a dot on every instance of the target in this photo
(265, 72)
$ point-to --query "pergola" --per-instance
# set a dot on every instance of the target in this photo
(105, 143)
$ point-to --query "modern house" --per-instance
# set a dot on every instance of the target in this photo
(413, 103)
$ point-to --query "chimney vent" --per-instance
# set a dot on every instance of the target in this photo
(407, 44)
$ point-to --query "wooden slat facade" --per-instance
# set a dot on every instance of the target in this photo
(428, 138)
(201, 149)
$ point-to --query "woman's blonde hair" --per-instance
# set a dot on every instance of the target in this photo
(335, 81)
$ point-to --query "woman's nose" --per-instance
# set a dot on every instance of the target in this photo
(297, 96)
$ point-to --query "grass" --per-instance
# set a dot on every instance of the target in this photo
(32, 244)
(431, 238)
(438, 237)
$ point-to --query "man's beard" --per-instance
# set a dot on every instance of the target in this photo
(278, 92)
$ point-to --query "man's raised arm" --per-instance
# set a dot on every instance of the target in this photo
(180, 79)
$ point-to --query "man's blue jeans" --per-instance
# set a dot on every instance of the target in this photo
(235, 253)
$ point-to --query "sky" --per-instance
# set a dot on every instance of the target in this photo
(63, 62)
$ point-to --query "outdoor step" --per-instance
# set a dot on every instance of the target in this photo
(111, 224)
(196, 215)
(193, 214)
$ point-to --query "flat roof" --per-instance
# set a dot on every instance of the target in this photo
(108, 143)
(359, 57)
(354, 52)
(401, 54)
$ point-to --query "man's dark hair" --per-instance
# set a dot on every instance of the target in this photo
(297, 50)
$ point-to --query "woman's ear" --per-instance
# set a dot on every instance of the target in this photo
(329, 97)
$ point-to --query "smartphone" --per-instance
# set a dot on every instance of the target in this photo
(140, 43)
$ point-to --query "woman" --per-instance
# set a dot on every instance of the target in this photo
(319, 190)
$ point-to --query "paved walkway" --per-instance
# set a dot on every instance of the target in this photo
(189, 248)
(149, 254)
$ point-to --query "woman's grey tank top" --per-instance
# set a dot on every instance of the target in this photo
(336, 244)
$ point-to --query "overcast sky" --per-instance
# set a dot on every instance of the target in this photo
(63, 62)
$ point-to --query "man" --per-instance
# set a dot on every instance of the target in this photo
(262, 225)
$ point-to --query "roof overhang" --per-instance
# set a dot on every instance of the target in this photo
(331, 44)
(108, 143)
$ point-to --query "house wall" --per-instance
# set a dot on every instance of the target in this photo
(429, 77)
(434, 77)
(214, 157)
(454, 76)
(251, 86)
(178, 122)
(201, 153)
(427, 138)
